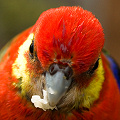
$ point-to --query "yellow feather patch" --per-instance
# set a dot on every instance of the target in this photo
(19, 69)
(92, 92)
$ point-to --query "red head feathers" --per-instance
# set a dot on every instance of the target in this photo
(68, 35)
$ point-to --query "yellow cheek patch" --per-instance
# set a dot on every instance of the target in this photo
(92, 92)
(19, 68)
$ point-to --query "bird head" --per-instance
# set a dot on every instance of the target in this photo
(62, 54)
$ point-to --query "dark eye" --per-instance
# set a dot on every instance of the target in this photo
(95, 66)
(31, 49)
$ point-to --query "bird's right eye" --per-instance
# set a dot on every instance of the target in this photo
(31, 49)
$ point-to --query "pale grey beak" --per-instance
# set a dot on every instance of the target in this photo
(57, 83)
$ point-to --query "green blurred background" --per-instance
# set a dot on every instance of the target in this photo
(17, 15)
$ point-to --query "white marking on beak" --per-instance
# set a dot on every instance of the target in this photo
(51, 91)
(42, 103)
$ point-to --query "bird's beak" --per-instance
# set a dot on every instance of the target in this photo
(57, 83)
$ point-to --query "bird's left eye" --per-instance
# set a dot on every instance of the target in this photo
(31, 49)
(95, 66)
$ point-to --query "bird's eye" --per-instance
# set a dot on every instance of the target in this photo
(31, 49)
(95, 66)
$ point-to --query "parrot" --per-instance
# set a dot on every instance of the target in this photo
(58, 70)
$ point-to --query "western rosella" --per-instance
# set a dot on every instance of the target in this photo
(57, 70)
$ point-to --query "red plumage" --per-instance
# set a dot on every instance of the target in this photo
(64, 34)
(72, 33)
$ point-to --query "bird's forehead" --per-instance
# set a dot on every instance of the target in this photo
(70, 34)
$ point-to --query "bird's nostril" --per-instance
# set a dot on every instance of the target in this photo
(53, 69)
(68, 72)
